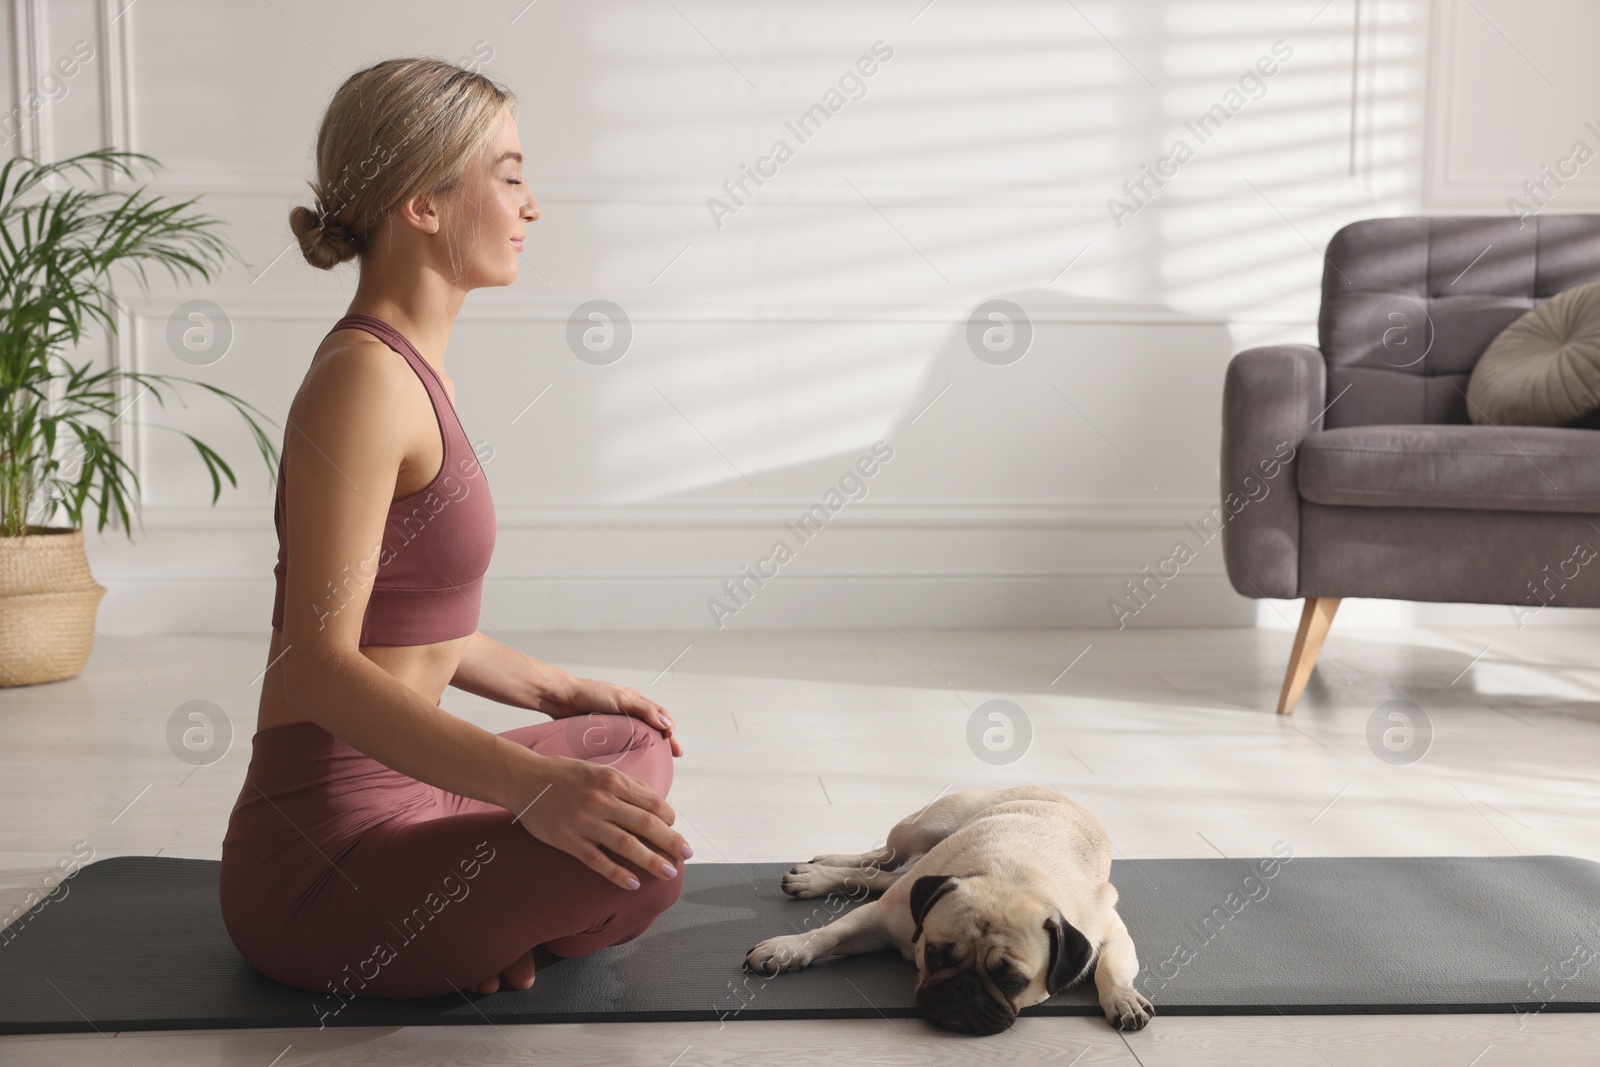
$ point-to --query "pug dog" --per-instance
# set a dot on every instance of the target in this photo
(1005, 900)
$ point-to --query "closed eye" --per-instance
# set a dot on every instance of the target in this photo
(1011, 984)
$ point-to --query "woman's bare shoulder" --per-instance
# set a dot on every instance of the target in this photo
(353, 367)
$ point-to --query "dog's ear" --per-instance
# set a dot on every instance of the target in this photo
(925, 892)
(1070, 953)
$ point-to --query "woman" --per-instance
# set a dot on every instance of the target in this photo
(381, 846)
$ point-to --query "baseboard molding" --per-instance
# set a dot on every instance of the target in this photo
(810, 601)
(993, 514)
(679, 602)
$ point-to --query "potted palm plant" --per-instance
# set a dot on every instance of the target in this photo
(58, 245)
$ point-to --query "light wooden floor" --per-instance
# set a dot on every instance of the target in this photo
(799, 743)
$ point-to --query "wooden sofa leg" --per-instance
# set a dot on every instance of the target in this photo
(1314, 623)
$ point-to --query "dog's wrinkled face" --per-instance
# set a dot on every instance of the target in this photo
(983, 957)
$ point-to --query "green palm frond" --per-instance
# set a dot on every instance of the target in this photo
(58, 245)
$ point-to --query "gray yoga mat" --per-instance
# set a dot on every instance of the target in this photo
(137, 943)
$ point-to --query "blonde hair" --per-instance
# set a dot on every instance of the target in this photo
(398, 129)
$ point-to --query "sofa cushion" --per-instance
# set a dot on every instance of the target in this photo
(1409, 304)
(1508, 468)
(1544, 368)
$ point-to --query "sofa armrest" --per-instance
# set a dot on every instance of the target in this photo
(1270, 399)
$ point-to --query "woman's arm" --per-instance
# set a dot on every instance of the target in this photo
(342, 458)
(489, 669)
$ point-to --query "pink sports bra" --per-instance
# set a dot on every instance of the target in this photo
(428, 584)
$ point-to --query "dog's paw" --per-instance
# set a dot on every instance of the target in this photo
(778, 954)
(1127, 1009)
(806, 880)
(838, 860)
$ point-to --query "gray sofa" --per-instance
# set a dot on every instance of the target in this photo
(1388, 490)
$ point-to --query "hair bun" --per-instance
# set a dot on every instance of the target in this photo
(334, 230)
(325, 241)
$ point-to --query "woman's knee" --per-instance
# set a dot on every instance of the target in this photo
(623, 742)
(596, 735)
(626, 915)
(664, 892)
(652, 760)
(655, 897)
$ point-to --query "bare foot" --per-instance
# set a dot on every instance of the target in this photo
(517, 976)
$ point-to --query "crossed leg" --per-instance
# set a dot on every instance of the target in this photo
(584, 733)
(463, 896)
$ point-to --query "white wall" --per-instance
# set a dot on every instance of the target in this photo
(830, 310)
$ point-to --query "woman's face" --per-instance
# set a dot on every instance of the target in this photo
(487, 219)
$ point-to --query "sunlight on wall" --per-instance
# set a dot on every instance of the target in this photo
(988, 154)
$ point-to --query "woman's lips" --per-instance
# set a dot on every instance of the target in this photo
(518, 242)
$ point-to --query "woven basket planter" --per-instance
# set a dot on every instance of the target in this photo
(48, 602)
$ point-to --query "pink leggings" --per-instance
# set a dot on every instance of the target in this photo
(346, 877)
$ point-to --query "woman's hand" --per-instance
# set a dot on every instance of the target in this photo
(587, 695)
(585, 809)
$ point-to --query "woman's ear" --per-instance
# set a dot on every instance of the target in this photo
(422, 212)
